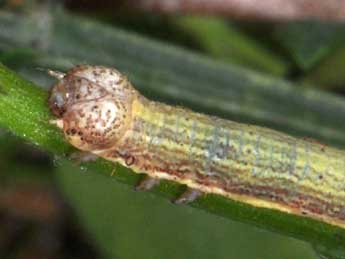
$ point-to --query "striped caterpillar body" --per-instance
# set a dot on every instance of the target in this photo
(100, 112)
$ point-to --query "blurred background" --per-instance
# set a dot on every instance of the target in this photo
(278, 64)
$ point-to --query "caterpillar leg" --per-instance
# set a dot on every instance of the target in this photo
(147, 184)
(188, 196)
(82, 156)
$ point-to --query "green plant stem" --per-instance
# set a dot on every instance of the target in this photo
(24, 111)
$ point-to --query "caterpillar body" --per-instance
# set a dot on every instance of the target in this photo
(100, 112)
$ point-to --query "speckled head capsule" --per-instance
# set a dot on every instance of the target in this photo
(93, 105)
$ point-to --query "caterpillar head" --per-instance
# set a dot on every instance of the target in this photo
(93, 106)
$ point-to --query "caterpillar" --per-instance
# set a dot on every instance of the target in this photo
(100, 112)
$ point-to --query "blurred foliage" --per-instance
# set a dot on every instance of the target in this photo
(309, 42)
(113, 214)
(329, 73)
(35, 221)
(223, 41)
